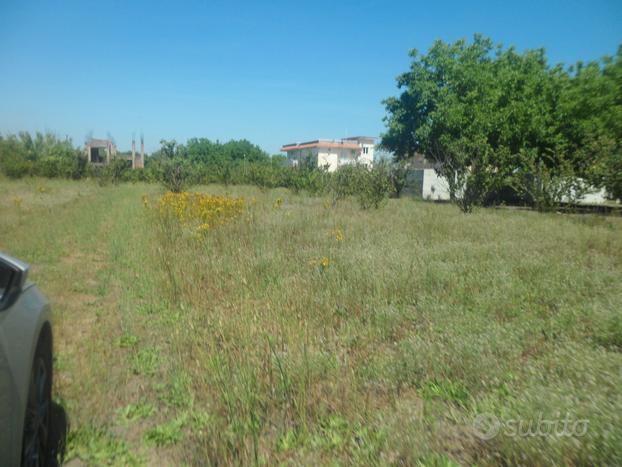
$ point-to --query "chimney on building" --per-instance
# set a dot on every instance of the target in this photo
(142, 151)
(133, 152)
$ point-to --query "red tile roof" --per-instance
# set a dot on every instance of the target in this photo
(320, 144)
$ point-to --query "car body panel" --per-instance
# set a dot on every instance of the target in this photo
(21, 325)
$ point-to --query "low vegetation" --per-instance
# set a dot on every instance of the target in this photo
(178, 167)
(306, 330)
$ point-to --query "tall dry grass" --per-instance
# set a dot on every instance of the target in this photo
(310, 333)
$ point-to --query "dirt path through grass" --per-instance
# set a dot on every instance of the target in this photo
(84, 253)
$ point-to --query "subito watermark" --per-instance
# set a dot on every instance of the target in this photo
(487, 426)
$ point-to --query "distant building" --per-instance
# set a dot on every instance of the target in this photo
(332, 154)
(138, 160)
(100, 151)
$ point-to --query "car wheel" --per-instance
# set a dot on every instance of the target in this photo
(37, 421)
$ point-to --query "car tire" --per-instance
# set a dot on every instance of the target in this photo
(35, 445)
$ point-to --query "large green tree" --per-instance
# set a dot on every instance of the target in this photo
(591, 115)
(494, 118)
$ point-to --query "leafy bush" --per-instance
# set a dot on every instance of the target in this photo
(371, 187)
(14, 160)
(14, 166)
(134, 176)
(116, 170)
(347, 181)
(44, 155)
(176, 174)
(294, 179)
(613, 174)
(546, 188)
(262, 175)
(374, 186)
(399, 177)
(70, 165)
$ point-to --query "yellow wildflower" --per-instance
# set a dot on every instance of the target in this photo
(206, 211)
(321, 263)
(339, 236)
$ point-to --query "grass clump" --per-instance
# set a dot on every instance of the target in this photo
(134, 412)
(167, 433)
(146, 361)
(97, 447)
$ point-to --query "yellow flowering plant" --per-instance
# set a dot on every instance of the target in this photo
(321, 263)
(198, 210)
(338, 234)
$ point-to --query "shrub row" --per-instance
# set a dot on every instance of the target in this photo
(177, 167)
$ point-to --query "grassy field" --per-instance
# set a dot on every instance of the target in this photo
(309, 333)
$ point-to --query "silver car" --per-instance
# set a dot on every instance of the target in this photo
(25, 368)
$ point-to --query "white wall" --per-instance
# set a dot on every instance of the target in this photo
(434, 187)
(593, 195)
(332, 158)
(328, 158)
(367, 154)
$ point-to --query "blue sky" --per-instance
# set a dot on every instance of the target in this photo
(272, 72)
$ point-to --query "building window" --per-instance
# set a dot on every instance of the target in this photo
(365, 150)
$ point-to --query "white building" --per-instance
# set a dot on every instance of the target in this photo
(332, 154)
(424, 181)
(433, 186)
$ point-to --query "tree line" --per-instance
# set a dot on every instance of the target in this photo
(46, 155)
(41, 154)
(179, 166)
(505, 126)
(200, 161)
